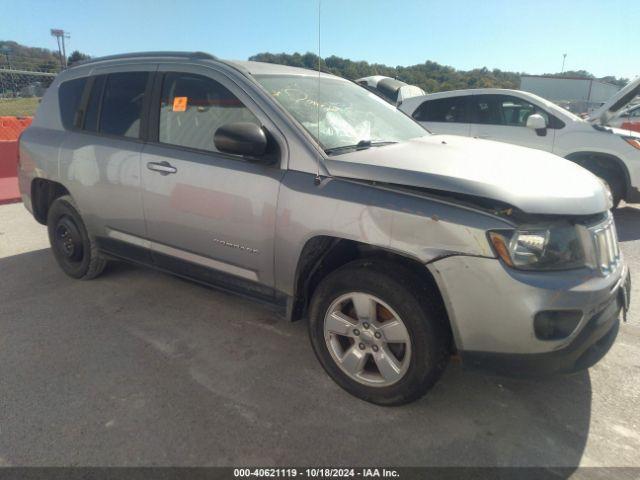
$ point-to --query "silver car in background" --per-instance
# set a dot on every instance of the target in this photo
(310, 193)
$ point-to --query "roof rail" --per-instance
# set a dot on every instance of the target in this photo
(124, 56)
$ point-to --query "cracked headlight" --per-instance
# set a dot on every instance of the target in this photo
(551, 247)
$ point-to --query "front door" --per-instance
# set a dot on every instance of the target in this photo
(503, 118)
(209, 214)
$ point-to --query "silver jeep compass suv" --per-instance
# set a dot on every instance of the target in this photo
(309, 192)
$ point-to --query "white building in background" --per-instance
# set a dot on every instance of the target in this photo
(578, 95)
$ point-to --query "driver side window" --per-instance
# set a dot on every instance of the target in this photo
(193, 107)
(504, 110)
(515, 111)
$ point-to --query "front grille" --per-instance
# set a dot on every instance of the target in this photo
(605, 242)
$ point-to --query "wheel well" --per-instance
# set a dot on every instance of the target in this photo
(603, 163)
(43, 193)
(323, 254)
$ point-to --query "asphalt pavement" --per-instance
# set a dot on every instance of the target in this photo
(142, 368)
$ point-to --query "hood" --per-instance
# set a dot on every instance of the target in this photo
(618, 131)
(616, 102)
(531, 180)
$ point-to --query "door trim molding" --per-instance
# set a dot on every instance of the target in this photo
(183, 255)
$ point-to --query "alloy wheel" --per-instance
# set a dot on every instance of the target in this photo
(367, 339)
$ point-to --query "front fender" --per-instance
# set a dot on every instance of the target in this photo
(408, 224)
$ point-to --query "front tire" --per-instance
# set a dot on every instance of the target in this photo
(74, 250)
(379, 332)
(615, 185)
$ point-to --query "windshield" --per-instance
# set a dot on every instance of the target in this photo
(349, 116)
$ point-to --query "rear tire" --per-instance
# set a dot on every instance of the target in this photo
(74, 250)
(400, 344)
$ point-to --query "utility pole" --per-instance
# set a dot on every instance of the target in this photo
(564, 57)
(62, 52)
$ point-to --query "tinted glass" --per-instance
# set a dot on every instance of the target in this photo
(484, 110)
(93, 107)
(122, 103)
(193, 107)
(507, 110)
(69, 96)
(451, 110)
(516, 111)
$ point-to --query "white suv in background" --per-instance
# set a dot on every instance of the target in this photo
(525, 119)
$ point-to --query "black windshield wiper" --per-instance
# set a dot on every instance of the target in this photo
(361, 145)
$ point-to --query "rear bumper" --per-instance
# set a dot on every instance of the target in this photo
(24, 186)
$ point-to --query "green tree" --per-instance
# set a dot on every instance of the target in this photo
(430, 76)
(77, 56)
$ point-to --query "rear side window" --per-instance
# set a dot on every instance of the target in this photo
(69, 96)
(450, 110)
(122, 102)
(193, 107)
(485, 110)
(93, 107)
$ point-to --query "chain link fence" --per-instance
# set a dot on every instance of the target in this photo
(24, 77)
(21, 90)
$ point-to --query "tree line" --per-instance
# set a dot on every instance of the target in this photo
(16, 56)
(430, 76)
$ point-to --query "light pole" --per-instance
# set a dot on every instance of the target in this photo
(564, 57)
(60, 36)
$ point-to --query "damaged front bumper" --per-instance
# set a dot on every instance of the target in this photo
(492, 309)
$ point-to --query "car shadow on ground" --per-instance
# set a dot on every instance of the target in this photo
(627, 223)
(173, 364)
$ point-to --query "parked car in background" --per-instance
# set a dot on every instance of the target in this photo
(628, 119)
(344, 211)
(522, 118)
(392, 90)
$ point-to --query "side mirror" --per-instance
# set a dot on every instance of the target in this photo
(241, 138)
(538, 123)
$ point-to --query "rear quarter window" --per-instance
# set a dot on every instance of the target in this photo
(93, 106)
(69, 97)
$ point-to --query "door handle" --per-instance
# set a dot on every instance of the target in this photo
(164, 168)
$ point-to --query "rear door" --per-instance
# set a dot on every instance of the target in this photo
(209, 214)
(100, 156)
(444, 115)
(504, 118)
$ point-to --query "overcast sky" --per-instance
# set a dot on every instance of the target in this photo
(519, 35)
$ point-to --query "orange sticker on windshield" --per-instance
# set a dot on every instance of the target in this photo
(179, 104)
